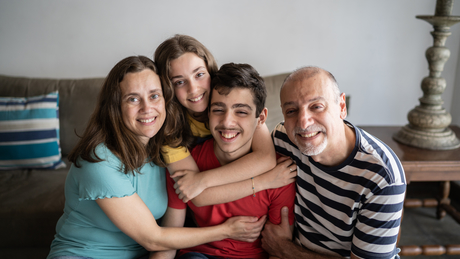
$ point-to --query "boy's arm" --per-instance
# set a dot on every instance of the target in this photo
(260, 160)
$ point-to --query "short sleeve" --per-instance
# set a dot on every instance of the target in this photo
(102, 179)
(173, 200)
(379, 220)
(282, 197)
(171, 155)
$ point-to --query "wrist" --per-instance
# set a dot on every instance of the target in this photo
(205, 181)
(225, 231)
(260, 183)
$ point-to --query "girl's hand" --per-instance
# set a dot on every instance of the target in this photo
(189, 184)
(245, 228)
(283, 174)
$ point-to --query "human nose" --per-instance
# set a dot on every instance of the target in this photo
(193, 86)
(146, 106)
(228, 119)
(305, 119)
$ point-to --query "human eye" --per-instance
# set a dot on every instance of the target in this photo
(133, 99)
(290, 111)
(242, 113)
(200, 74)
(178, 83)
(317, 107)
(155, 96)
(217, 110)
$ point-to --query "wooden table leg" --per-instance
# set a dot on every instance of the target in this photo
(444, 201)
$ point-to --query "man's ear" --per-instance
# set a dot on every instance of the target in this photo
(262, 116)
(343, 106)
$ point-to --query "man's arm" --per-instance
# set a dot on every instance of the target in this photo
(277, 241)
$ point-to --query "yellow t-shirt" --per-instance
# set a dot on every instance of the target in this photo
(172, 155)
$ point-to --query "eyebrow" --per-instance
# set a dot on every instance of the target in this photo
(194, 71)
(134, 93)
(309, 101)
(236, 105)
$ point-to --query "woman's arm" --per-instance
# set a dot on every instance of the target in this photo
(260, 160)
(172, 218)
(133, 218)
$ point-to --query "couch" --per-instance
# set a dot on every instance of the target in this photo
(32, 200)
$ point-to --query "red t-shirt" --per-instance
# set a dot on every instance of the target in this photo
(267, 202)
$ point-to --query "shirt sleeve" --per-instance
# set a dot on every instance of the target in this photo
(282, 197)
(171, 155)
(103, 179)
(377, 227)
(173, 199)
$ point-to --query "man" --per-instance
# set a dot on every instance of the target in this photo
(350, 185)
(236, 109)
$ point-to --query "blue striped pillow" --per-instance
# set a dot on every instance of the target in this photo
(29, 133)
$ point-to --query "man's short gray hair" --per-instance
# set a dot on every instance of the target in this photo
(310, 71)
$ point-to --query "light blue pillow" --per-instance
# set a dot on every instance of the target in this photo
(29, 132)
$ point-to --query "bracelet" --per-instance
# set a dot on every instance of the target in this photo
(253, 189)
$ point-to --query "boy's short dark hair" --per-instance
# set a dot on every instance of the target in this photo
(233, 75)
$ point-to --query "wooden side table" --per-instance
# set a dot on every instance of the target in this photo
(425, 165)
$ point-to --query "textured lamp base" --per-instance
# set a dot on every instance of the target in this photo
(444, 139)
(428, 123)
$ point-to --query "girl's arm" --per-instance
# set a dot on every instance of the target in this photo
(260, 160)
(283, 174)
(132, 216)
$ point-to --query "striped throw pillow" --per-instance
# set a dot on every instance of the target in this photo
(29, 133)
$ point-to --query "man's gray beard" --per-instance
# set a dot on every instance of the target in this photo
(312, 150)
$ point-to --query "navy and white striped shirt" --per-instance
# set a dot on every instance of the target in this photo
(355, 206)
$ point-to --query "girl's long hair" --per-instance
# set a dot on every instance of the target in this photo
(170, 49)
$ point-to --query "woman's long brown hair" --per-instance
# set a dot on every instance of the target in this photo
(106, 123)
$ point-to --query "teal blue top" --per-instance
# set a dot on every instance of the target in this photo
(84, 229)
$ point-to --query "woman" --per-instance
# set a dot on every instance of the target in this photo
(115, 188)
(187, 66)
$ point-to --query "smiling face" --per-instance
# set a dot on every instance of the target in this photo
(191, 81)
(232, 121)
(142, 104)
(313, 118)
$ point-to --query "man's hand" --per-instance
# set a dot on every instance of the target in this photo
(188, 184)
(245, 228)
(275, 237)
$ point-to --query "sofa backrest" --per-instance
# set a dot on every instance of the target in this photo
(77, 99)
(273, 84)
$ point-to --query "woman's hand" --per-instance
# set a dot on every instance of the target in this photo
(283, 174)
(189, 184)
(245, 228)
